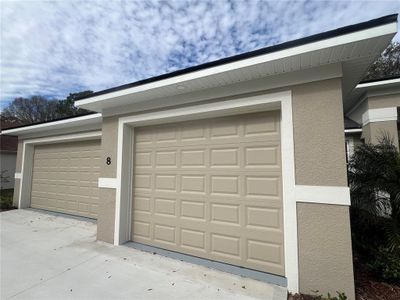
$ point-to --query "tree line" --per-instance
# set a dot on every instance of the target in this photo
(38, 108)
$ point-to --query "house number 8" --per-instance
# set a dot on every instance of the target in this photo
(108, 160)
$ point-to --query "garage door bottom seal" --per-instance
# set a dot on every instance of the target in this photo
(240, 271)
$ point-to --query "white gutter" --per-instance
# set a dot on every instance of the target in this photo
(66, 123)
(377, 83)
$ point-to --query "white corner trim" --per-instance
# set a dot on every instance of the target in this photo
(289, 197)
(281, 100)
(27, 160)
(17, 175)
(355, 130)
(59, 124)
(108, 183)
(337, 195)
(378, 83)
(379, 115)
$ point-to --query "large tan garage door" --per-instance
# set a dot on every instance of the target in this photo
(212, 189)
(65, 178)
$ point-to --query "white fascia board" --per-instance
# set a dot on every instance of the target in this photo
(61, 124)
(379, 115)
(390, 28)
(378, 83)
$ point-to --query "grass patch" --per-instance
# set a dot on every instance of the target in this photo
(6, 199)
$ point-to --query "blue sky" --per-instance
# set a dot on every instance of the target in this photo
(52, 48)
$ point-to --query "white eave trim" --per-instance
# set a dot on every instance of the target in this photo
(379, 115)
(390, 28)
(378, 83)
(61, 124)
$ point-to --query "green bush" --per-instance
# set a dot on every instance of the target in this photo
(6, 198)
(386, 265)
(374, 176)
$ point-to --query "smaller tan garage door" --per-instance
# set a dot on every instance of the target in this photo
(212, 188)
(65, 178)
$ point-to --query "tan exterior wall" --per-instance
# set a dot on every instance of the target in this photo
(16, 192)
(109, 145)
(109, 141)
(384, 101)
(372, 132)
(106, 216)
(325, 256)
(325, 260)
(18, 167)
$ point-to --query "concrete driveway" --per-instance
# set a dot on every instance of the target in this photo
(50, 256)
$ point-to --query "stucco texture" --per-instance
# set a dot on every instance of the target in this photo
(319, 134)
(109, 145)
(384, 101)
(106, 216)
(324, 239)
(18, 164)
(373, 132)
(325, 249)
(18, 167)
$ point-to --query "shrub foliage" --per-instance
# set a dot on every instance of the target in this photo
(374, 175)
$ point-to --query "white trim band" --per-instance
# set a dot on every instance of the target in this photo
(108, 183)
(17, 175)
(379, 115)
(337, 195)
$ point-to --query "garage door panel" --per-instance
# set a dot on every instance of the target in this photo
(212, 188)
(64, 178)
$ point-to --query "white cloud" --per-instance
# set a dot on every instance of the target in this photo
(56, 47)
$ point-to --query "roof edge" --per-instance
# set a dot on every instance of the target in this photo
(45, 122)
(397, 76)
(63, 122)
(266, 50)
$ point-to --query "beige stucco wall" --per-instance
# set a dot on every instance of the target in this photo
(106, 217)
(325, 261)
(18, 167)
(384, 101)
(373, 132)
(319, 134)
(324, 236)
(109, 141)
